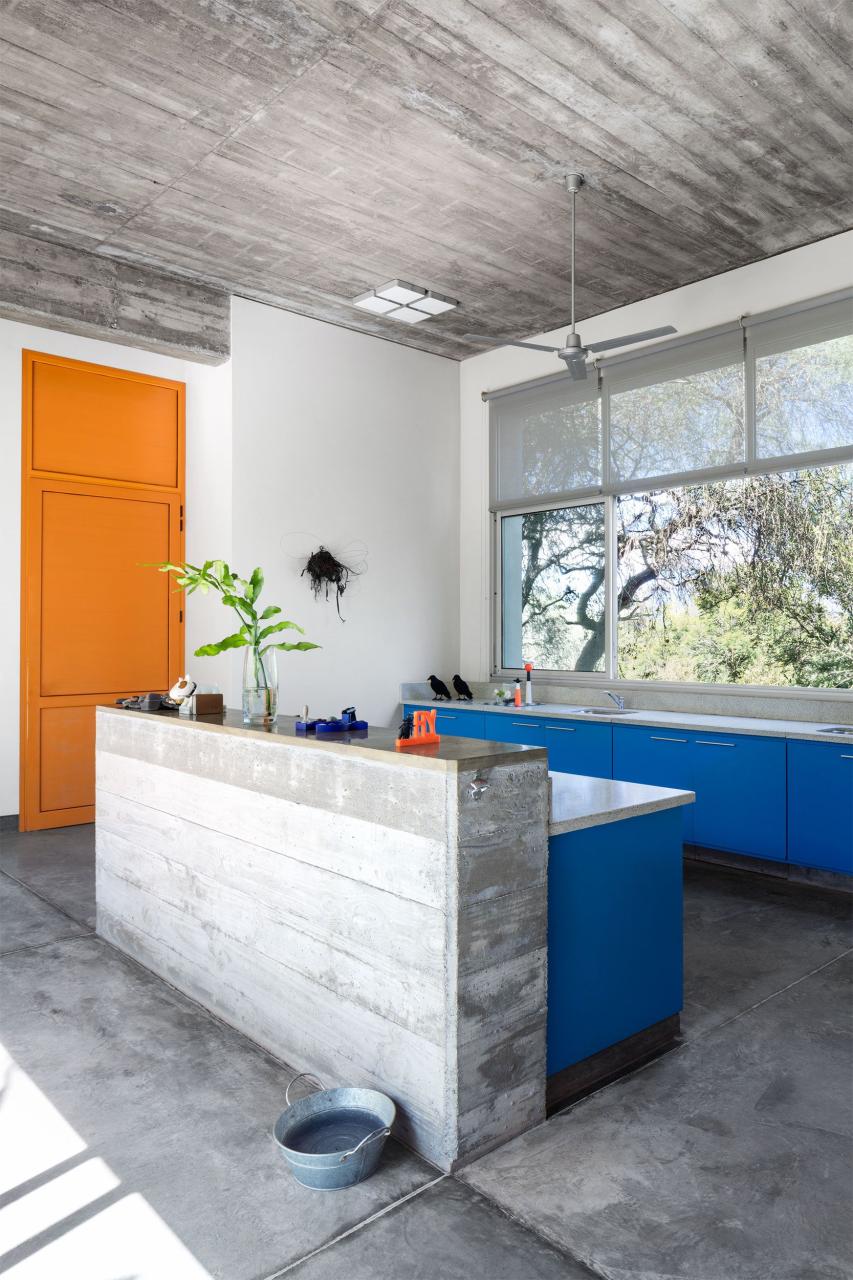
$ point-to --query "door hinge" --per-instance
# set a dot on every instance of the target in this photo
(182, 520)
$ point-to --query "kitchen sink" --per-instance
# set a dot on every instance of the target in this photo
(607, 711)
(838, 728)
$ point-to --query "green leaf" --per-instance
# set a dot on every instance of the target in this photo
(280, 626)
(269, 611)
(230, 642)
(256, 583)
(303, 645)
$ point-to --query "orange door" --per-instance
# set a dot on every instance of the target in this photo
(102, 501)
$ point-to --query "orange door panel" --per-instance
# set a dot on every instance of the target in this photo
(98, 623)
(111, 628)
(91, 421)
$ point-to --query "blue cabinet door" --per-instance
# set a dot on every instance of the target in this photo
(580, 748)
(660, 757)
(615, 927)
(740, 793)
(820, 805)
(457, 724)
(510, 726)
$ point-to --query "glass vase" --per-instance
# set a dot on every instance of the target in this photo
(260, 687)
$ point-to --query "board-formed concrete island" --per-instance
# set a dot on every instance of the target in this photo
(354, 910)
(382, 918)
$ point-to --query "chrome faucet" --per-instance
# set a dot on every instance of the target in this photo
(617, 698)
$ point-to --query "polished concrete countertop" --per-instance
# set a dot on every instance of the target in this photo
(578, 802)
(800, 729)
(450, 755)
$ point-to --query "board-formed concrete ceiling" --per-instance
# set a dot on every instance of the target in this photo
(302, 153)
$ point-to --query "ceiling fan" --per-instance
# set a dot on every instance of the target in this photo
(573, 353)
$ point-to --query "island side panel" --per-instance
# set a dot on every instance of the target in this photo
(300, 895)
(615, 934)
(501, 882)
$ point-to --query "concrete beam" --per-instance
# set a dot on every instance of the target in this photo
(61, 287)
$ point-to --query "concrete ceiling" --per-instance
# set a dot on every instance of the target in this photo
(303, 153)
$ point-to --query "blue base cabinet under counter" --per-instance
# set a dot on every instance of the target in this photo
(529, 731)
(659, 757)
(740, 794)
(739, 780)
(614, 934)
(580, 748)
(820, 805)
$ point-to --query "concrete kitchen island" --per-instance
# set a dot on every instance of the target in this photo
(392, 919)
(350, 908)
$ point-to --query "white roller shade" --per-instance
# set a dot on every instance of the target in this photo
(676, 410)
(546, 442)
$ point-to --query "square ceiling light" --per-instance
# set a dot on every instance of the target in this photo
(370, 302)
(434, 304)
(400, 292)
(408, 315)
(408, 303)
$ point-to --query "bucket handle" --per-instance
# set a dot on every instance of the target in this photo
(371, 1137)
(303, 1075)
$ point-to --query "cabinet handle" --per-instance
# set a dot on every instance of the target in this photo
(847, 757)
(703, 742)
(654, 738)
(524, 724)
(558, 728)
(445, 716)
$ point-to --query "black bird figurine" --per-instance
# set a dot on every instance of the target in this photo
(463, 690)
(439, 689)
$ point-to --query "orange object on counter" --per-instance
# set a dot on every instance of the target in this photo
(423, 731)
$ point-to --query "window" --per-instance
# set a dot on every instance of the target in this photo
(694, 508)
(744, 581)
(552, 587)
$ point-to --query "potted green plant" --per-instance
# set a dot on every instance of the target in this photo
(260, 668)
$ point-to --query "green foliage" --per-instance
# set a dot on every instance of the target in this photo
(241, 595)
(743, 581)
(740, 582)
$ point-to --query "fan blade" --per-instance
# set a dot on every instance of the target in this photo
(631, 337)
(531, 346)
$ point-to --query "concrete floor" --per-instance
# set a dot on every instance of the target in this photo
(134, 1127)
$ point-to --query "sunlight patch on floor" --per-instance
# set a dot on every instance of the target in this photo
(125, 1239)
(33, 1135)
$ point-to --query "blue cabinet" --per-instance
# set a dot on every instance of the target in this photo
(659, 757)
(614, 933)
(820, 805)
(514, 727)
(740, 793)
(573, 746)
(580, 748)
(739, 781)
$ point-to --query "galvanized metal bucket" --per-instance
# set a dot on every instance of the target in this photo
(333, 1138)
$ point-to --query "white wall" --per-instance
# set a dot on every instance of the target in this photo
(208, 505)
(343, 438)
(774, 282)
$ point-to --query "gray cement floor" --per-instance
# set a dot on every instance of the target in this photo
(134, 1127)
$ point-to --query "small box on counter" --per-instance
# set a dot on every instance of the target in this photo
(203, 704)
